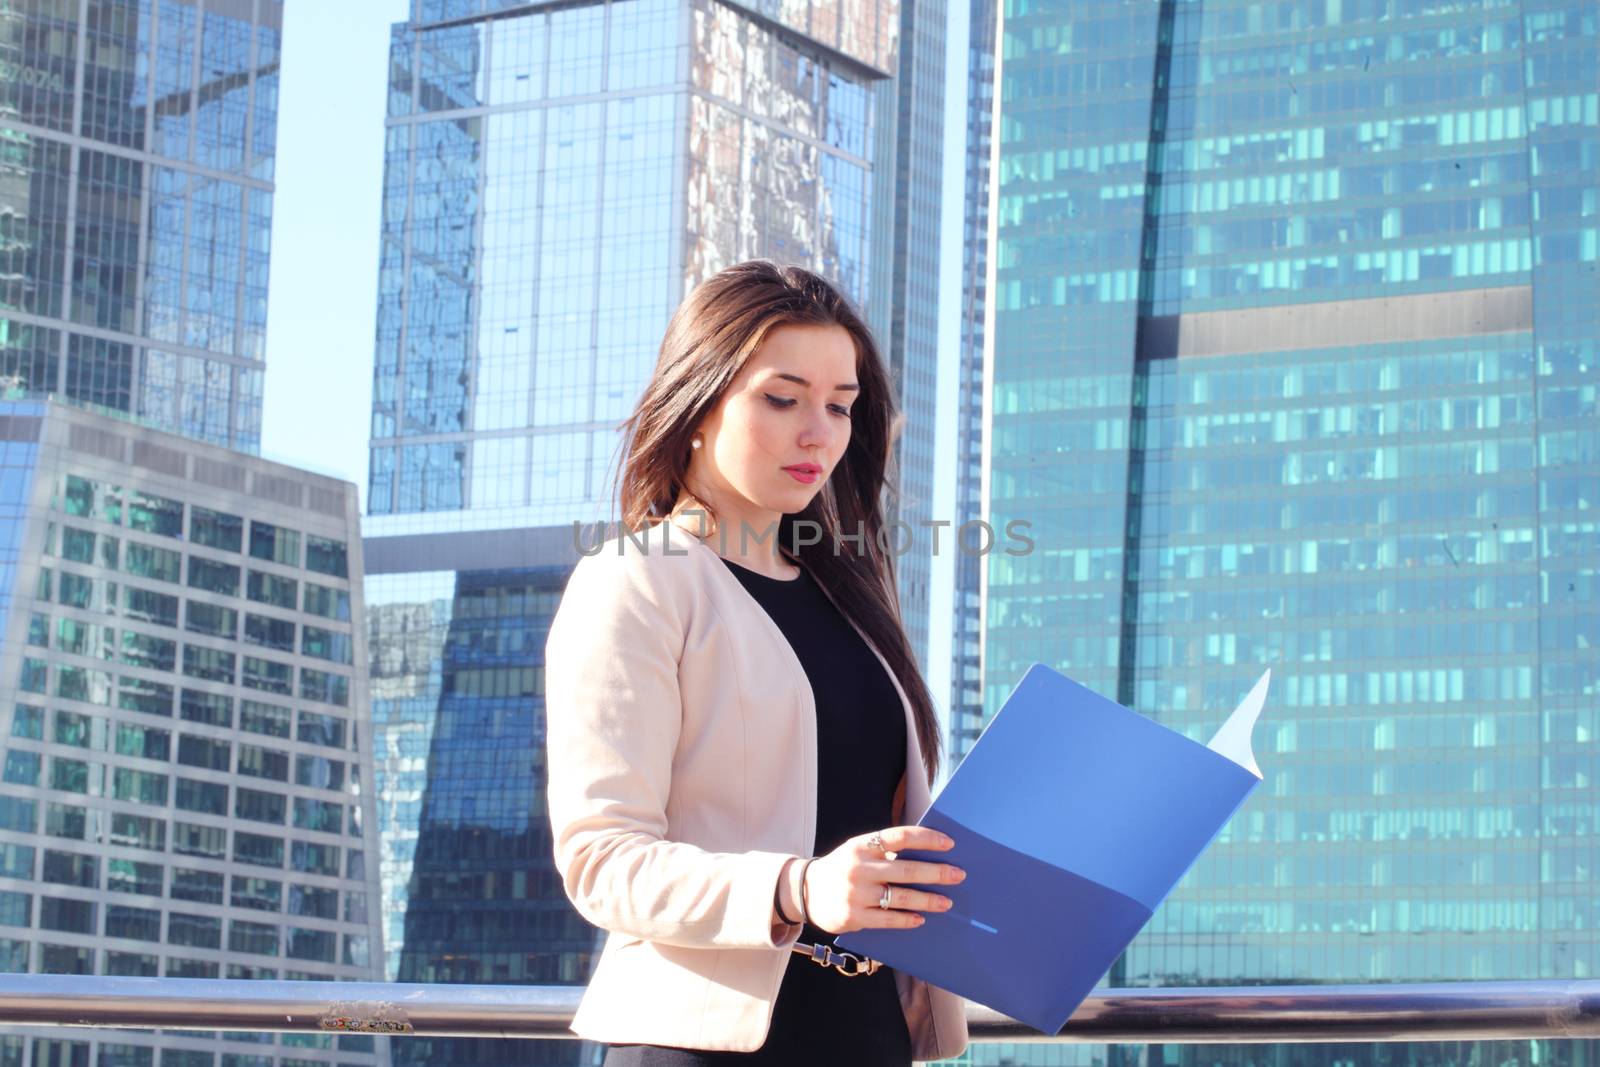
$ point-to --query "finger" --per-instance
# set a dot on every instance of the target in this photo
(907, 899)
(892, 918)
(921, 872)
(900, 838)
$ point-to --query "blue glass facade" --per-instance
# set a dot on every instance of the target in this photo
(1294, 364)
(139, 139)
(966, 716)
(556, 181)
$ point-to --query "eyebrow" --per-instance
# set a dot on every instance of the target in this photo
(851, 387)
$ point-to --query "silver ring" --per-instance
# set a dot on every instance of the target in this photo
(883, 901)
(876, 841)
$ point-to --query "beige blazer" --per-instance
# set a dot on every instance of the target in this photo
(682, 775)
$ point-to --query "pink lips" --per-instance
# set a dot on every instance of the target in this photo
(805, 472)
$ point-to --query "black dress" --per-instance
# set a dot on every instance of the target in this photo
(822, 1016)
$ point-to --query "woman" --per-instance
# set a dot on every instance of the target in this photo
(739, 742)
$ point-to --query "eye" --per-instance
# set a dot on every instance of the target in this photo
(783, 403)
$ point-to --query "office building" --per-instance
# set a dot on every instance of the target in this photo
(557, 178)
(904, 309)
(137, 140)
(966, 714)
(187, 779)
(1294, 365)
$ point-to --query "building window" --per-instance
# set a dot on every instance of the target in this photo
(155, 514)
(325, 687)
(208, 798)
(28, 721)
(258, 806)
(258, 762)
(319, 815)
(70, 868)
(139, 694)
(67, 916)
(140, 787)
(148, 561)
(64, 959)
(212, 577)
(258, 938)
(16, 861)
(272, 589)
(274, 543)
(208, 664)
(191, 839)
(140, 924)
(146, 605)
(268, 719)
(151, 653)
(315, 729)
(131, 876)
(22, 767)
(138, 831)
(312, 858)
(262, 894)
(327, 602)
(216, 529)
(267, 676)
(326, 556)
(213, 620)
(16, 909)
(66, 821)
(319, 772)
(132, 965)
(311, 944)
(195, 931)
(326, 644)
(202, 887)
(213, 709)
(145, 742)
(269, 632)
(313, 901)
(259, 849)
(205, 752)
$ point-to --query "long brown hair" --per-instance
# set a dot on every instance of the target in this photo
(711, 335)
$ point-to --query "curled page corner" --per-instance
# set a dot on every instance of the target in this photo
(1233, 739)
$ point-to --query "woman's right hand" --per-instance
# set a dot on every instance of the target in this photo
(844, 887)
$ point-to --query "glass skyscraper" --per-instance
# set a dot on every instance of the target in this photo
(186, 785)
(1294, 364)
(137, 140)
(904, 312)
(557, 178)
(966, 714)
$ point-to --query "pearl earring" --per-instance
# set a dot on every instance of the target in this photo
(695, 443)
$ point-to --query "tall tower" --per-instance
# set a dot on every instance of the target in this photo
(1294, 364)
(186, 785)
(137, 140)
(558, 177)
(905, 306)
(966, 642)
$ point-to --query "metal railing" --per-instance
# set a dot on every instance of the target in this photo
(1449, 1011)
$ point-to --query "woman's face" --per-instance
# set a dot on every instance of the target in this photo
(787, 410)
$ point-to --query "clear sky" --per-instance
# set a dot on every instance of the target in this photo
(322, 302)
(322, 298)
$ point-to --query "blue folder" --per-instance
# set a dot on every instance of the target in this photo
(1073, 817)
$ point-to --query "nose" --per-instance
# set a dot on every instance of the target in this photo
(819, 429)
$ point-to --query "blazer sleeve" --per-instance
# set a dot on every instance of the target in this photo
(613, 713)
